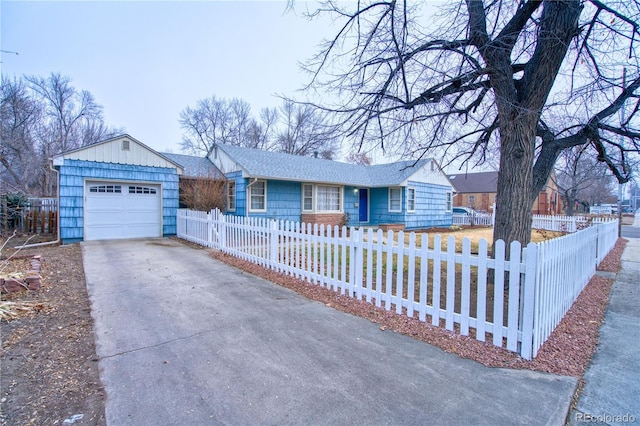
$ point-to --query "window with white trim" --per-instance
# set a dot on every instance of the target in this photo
(258, 196)
(395, 199)
(231, 196)
(411, 199)
(307, 197)
(328, 198)
(449, 201)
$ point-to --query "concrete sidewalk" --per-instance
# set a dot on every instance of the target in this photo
(186, 340)
(611, 394)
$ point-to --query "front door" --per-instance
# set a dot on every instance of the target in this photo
(363, 205)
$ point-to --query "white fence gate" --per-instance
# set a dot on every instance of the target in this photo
(514, 301)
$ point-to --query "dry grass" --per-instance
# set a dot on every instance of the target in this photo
(474, 235)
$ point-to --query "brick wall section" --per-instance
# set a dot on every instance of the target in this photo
(395, 227)
(31, 281)
(324, 218)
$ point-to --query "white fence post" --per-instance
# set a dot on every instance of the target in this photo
(357, 263)
(273, 244)
(209, 229)
(222, 244)
(529, 299)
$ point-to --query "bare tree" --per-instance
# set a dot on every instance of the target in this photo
(577, 173)
(293, 128)
(360, 158)
(304, 130)
(260, 134)
(68, 113)
(215, 121)
(42, 117)
(483, 76)
(19, 114)
(203, 193)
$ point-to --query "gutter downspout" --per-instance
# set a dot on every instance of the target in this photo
(57, 241)
(248, 197)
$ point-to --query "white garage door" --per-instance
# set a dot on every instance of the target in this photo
(121, 210)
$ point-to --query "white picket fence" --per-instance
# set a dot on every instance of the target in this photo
(559, 223)
(463, 219)
(515, 302)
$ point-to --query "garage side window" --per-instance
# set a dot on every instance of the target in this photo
(107, 189)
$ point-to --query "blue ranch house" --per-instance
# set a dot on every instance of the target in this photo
(121, 188)
(412, 194)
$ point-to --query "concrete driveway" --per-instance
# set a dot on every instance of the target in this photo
(184, 339)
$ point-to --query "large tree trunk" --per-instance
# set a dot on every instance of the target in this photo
(518, 114)
(515, 179)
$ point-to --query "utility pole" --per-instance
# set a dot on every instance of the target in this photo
(624, 81)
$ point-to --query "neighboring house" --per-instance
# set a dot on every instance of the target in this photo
(549, 201)
(478, 191)
(117, 188)
(402, 195)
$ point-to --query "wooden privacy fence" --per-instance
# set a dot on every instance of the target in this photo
(40, 215)
(513, 302)
(36, 215)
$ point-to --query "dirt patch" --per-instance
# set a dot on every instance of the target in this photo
(49, 369)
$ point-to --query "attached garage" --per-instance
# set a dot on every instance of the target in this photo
(115, 189)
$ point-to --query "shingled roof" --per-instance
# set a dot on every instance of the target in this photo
(200, 167)
(475, 182)
(280, 166)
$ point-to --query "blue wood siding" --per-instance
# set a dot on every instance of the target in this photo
(430, 209)
(241, 193)
(379, 210)
(284, 199)
(73, 174)
(431, 206)
(351, 199)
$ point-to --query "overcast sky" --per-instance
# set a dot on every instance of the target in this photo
(146, 61)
